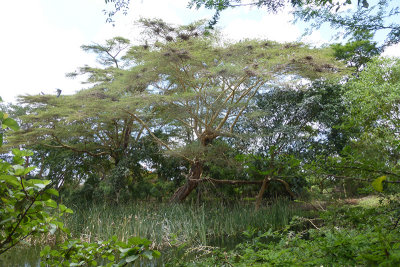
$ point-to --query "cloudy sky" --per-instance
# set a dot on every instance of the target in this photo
(41, 39)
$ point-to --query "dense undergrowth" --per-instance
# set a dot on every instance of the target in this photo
(342, 235)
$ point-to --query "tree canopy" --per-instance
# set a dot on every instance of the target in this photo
(183, 80)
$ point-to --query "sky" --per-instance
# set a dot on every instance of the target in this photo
(41, 39)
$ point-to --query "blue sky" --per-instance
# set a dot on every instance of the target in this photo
(41, 39)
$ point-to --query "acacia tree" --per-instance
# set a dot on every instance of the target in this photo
(90, 123)
(199, 86)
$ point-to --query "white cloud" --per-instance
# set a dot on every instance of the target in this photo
(275, 27)
(392, 51)
(35, 54)
(42, 40)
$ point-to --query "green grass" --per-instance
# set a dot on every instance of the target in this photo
(168, 225)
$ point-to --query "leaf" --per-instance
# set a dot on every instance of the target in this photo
(10, 123)
(12, 180)
(111, 257)
(53, 228)
(156, 253)
(148, 254)
(54, 192)
(124, 250)
(68, 210)
(62, 207)
(45, 251)
(23, 171)
(377, 183)
(51, 203)
(39, 183)
(21, 153)
(131, 258)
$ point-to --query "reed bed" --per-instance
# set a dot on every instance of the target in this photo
(172, 225)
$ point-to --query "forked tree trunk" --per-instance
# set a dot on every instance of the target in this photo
(262, 190)
(192, 181)
(264, 187)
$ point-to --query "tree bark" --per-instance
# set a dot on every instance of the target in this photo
(262, 190)
(264, 186)
(193, 180)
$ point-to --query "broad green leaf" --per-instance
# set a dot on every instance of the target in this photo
(21, 153)
(377, 183)
(54, 192)
(51, 203)
(68, 210)
(45, 251)
(131, 258)
(24, 171)
(124, 250)
(148, 254)
(10, 179)
(53, 228)
(111, 257)
(38, 181)
(156, 253)
(12, 124)
(61, 206)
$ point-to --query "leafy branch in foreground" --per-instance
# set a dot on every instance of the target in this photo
(78, 253)
(27, 209)
(25, 203)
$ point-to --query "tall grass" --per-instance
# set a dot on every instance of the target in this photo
(168, 225)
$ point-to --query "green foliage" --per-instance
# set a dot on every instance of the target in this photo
(6, 122)
(358, 51)
(25, 204)
(377, 183)
(27, 209)
(101, 253)
(372, 97)
(344, 236)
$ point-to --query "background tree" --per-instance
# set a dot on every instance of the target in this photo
(359, 50)
(373, 104)
(371, 122)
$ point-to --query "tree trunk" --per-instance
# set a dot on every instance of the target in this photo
(262, 190)
(192, 181)
(287, 187)
(264, 186)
